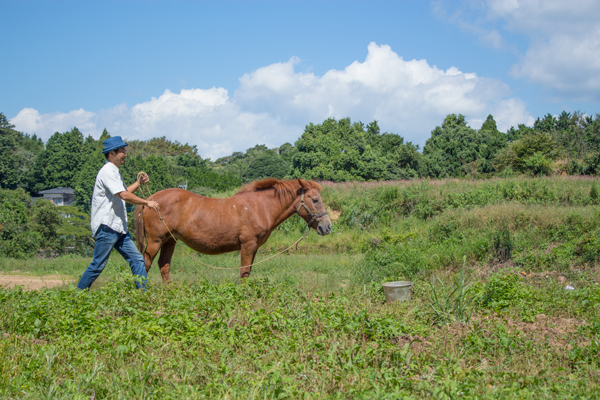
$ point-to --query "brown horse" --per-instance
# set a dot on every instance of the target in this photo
(242, 222)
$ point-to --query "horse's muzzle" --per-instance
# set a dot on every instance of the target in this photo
(324, 228)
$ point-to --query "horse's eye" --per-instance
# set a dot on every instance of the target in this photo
(315, 200)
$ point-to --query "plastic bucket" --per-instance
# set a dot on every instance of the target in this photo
(397, 291)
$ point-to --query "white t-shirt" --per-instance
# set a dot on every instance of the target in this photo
(107, 207)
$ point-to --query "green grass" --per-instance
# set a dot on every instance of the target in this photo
(68, 266)
(314, 324)
(312, 271)
(274, 340)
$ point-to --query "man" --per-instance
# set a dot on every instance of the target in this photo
(109, 216)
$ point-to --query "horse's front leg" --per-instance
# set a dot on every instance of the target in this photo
(247, 254)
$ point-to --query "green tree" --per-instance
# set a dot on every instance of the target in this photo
(455, 149)
(158, 169)
(74, 230)
(58, 164)
(530, 154)
(491, 141)
(18, 156)
(190, 160)
(27, 227)
(17, 239)
(85, 178)
(9, 162)
(404, 160)
(343, 151)
(46, 220)
(239, 163)
(267, 165)
(160, 146)
(576, 134)
(286, 151)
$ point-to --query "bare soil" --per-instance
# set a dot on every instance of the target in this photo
(30, 282)
(554, 331)
(333, 215)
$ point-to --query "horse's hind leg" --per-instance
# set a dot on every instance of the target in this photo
(151, 251)
(164, 261)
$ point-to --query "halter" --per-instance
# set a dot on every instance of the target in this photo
(313, 215)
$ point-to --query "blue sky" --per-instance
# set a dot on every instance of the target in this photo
(228, 75)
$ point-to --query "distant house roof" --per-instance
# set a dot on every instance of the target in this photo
(58, 190)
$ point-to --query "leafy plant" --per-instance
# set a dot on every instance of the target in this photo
(454, 304)
(389, 261)
(502, 291)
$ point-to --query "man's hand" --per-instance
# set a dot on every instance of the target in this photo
(133, 199)
(153, 204)
(143, 178)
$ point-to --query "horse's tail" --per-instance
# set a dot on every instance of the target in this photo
(140, 232)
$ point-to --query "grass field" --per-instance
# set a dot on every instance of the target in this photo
(490, 316)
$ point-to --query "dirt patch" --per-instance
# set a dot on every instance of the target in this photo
(482, 271)
(33, 282)
(556, 332)
(553, 331)
(551, 247)
(24, 339)
(416, 343)
(333, 214)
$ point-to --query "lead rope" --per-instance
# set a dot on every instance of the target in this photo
(142, 185)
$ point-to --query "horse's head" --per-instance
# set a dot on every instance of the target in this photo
(310, 207)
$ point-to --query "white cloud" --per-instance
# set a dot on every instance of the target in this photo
(569, 64)
(563, 39)
(469, 16)
(564, 53)
(31, 121)
(511, 112)
(406, 97)
(274, 103)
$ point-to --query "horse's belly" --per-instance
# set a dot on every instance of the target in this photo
(212, 246)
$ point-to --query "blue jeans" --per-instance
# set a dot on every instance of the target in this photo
(106, 240)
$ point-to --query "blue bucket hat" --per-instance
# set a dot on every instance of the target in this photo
(113, 143)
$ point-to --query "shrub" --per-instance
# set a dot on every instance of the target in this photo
(17, 240)
(25, 228)
(503, 290)
(389, 262)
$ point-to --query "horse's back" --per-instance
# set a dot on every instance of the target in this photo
(182, 209)
(173, 195)
(206, 224)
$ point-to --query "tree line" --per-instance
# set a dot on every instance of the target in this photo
(339, 150)
(71, 160)
(336, 150)
(342, 151)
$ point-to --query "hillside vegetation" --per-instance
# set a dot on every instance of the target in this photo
(497, 231)
(336, 151)
(491, 316)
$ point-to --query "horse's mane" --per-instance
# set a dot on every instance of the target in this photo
(282, 188)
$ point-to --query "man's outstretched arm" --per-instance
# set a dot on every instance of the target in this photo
(133, 199)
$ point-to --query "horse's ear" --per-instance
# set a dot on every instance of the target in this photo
(306, 185)
(303, 184)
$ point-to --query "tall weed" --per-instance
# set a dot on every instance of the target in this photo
(456, 303)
